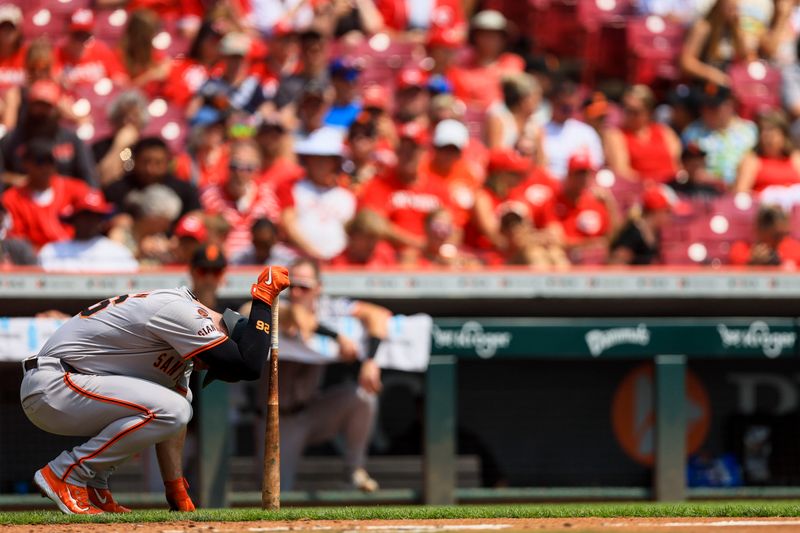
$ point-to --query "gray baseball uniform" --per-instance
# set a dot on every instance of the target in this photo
(117, 372)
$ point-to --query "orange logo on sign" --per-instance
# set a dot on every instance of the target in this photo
(633, 416)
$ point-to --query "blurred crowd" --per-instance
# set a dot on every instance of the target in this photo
(399, 133)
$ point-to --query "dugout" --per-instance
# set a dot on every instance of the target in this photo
(538, 391)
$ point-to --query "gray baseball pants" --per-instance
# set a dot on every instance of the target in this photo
(123, 415)
(344, 410)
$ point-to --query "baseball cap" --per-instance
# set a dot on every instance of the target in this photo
(344, 68)
(714, 95)
(446, 37)
(46, 91)
(580, 161)
(324, 141)
(450, 133)
(375, 96)
(234, 44)
(595, 106)
(91, 202)
(439, 84)
(411, 77)
(692, 150)
(209, 256)
(82, 20)
(10, 13)
(415, 132)
(489, 19)
(191, 226)
(505, 160)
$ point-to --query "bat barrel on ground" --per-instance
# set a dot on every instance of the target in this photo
(271, 480)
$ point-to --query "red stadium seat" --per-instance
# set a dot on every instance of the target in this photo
(62, 7)
(756, 87)
(109, 24)
(654, 45)
(44, 22)
(168, 123)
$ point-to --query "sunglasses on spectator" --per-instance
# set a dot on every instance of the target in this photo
(203, 271)
(242, 167)
(41, 161)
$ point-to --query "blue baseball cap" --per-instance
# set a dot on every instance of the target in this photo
(342, 68)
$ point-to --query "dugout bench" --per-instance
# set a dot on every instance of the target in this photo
(669, 343)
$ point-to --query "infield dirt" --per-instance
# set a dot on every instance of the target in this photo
(542, 525)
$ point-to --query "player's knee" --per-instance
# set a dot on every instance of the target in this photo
(183, 414)
(177, 412)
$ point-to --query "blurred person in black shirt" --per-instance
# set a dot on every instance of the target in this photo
(694, 179)
(639, 241)
(151, 165)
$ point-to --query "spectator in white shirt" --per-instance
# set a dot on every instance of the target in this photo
(89, 250)
(315, 209)
(564, 136)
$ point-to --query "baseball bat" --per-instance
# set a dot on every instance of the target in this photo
(271, 479)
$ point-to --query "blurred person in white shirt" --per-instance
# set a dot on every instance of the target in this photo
(89, 250)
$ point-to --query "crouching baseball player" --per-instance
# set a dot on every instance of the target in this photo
(118, 372)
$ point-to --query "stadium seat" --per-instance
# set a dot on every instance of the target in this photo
(603, 22)
(379, 57)
(756, 87)
(63, 7)
(44, 22)
(475, 120)
(170, 126)
(654, 45)
(109, 24)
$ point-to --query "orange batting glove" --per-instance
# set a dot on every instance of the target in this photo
(270, 283)
(177, 497)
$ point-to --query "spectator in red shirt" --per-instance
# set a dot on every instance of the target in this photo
(478, 82)
(642, 149)
(442, 45)
(506, 172)
(84, 59)
(407, 15)
(190, 73)
(146, 67)
(587, 214)
(365, 244)
(12, 51)
(405, 195)
(446, 106)
(36, 206)
(42, 119)
(205, 161)
(411, 95)
(240, 199)
(447, 163)
(39, 61)
(773, 246)
(774, 162)
(277, 165)
(189, 235)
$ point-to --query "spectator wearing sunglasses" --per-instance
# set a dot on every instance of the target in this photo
(241, 199)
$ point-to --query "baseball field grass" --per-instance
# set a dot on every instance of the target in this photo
(727, 509)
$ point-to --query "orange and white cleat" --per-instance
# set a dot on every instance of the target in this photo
(178, 495)
(70, 499)
(103, 500)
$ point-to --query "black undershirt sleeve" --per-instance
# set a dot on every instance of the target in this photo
(243, 359)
